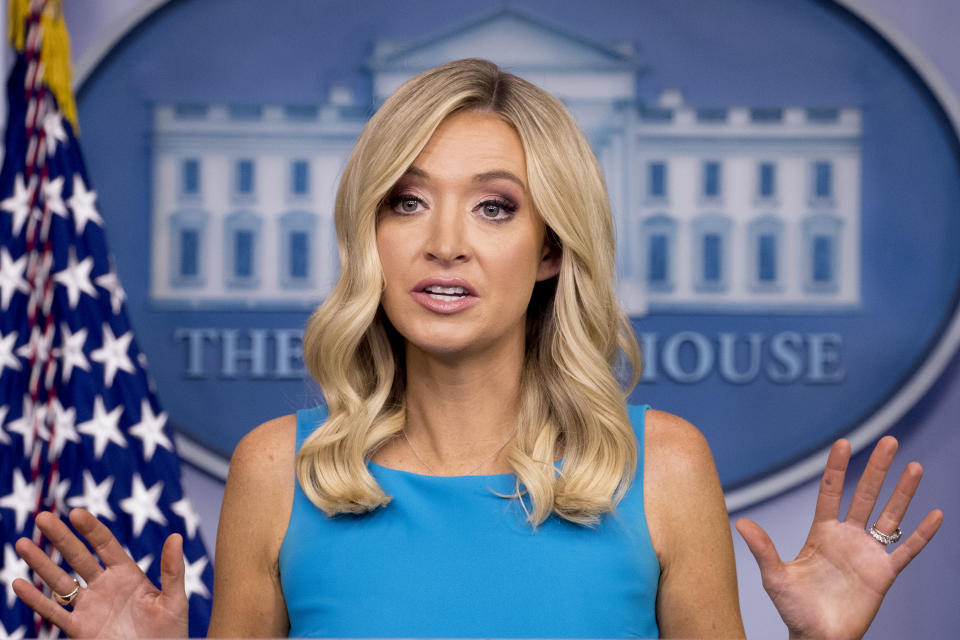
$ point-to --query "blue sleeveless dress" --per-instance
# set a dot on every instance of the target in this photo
(449, 558)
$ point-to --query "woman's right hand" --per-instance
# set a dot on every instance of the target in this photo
(118, 601)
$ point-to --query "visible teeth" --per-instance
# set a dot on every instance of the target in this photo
(447, 291)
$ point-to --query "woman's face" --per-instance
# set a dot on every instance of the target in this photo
(460, 242)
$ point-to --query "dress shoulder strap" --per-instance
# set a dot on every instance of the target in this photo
(307, 422)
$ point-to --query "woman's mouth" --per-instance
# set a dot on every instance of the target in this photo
(445, 295)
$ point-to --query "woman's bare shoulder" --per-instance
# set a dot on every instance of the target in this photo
(671, 442)
(262, 467)
(257, 503)
(258, 497)
(679, 476)
(267, 446)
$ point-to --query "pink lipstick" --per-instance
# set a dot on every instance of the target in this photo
(445, 295)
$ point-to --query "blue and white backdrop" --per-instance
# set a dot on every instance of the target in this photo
(784, 175)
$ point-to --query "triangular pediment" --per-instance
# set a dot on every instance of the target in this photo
(511, 39)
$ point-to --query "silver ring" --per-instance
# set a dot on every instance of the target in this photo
(67, 599)
(882, 537)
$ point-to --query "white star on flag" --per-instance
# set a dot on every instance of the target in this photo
(13, 568)
(142, 361)
(53, 128)
(19, 203)
(111, 283)
(103, 427)
(63, 428)
(76, 278)
(17, 634)
(144, 562)
(7, 359)
(150, 430)
(22, 499)
(38, 346)
(60, 496)
(4, 438)
(113, 354)
(24, 424)
(184, 508)
(142, 505)
(11, 277)
(71, 350)
(95, 497)
(82, 204)
(193, 581)
(52, 195)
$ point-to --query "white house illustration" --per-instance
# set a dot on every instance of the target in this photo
(718, 208)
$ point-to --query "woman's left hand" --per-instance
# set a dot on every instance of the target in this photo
(836, 583)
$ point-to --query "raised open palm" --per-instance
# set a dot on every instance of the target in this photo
(119, 601)
(836, 583)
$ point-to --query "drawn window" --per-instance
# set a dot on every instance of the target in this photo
(300, 178)
(712, 257)
(822, 180)
(190, 177)
(187, 230)
(244, 184)
(767, 180)
(242, 230)
(711, 179)
(822, 268)
(764, 237)
(767, 258)
(299, 254)
(658, 234)
(243, 253)
(711, 249)
(657, 271)
(189, 253)
(823, 253)
(297, 239)
(657, 180)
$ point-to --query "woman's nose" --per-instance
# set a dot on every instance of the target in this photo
(447, 242)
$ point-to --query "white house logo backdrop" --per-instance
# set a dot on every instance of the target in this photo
(784, 187)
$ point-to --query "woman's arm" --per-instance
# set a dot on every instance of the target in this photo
(690, 529)
(257, 501)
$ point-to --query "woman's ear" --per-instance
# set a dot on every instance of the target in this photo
(550, 257)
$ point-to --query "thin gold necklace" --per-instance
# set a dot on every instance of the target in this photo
(469, 473)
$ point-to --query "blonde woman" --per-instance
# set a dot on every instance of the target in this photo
(476, 472)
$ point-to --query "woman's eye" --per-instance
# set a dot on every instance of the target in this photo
(406, 204)
(496, 209)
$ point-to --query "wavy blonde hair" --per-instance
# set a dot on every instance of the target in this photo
(572, 403)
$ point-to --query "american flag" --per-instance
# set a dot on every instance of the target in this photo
(81, 425)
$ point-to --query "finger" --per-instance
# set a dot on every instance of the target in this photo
(171, 568)
(896, 507)
(913, 545)
(99, 536)
(47, 608)
(49, 571)
(70, 547)
(760, 546)
(865, 497)
(831, 484)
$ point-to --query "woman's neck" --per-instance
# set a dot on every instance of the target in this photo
(462, 410)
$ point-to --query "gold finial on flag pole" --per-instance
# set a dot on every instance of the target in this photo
(54, 47)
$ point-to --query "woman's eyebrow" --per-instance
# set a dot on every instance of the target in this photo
(420, 173)
(499, 175)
